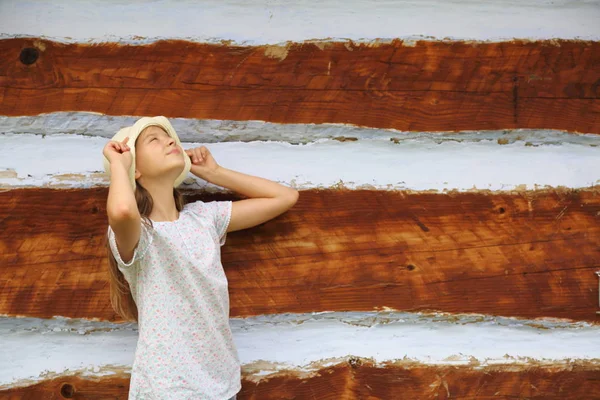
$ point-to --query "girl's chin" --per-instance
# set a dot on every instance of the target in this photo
(178, 168)
(173, 162)
(172, 170)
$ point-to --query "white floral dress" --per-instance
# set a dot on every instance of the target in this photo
(185, 348)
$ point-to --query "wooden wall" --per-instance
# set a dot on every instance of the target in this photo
(526, 252)
(429, 86)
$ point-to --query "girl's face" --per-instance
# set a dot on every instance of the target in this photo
(157, 155)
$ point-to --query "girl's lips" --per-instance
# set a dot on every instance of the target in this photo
(175, 150)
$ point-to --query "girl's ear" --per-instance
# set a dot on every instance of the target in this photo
(137, 174)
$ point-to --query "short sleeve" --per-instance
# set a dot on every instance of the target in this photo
(140, 249)
(219, 213)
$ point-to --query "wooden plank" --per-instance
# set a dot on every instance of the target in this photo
(530, 254)
(429, 86)
(361, 379)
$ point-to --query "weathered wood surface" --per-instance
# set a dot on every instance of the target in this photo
(427, 86)
(530, 254)
(360, 379)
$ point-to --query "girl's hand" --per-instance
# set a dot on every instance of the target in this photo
(118, 152)
(203, 163)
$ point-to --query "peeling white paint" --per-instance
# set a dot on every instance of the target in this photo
(33, 348)
(416, 163)
(214, 131)
(269, 22)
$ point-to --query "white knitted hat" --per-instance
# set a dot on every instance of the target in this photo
(134, 131)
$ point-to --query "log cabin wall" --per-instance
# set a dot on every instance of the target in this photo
(446, 239)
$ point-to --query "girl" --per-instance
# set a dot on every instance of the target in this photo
(165, 262)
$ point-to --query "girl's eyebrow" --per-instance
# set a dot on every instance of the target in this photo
(153, 134)
(150, 135)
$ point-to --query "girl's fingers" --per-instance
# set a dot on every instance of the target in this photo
(197, 154)
(119, 147)
(192, 155)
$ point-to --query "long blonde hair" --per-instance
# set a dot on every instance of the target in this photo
(120, 293)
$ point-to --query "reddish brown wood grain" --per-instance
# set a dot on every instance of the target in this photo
(426, 86)
(360, 379)
(530, 254)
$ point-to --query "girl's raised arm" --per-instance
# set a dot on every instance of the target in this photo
(267, 200)
(121, 207)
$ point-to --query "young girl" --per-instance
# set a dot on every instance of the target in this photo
(165, 259)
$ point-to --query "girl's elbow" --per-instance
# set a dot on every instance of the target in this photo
(292, 198)
(122, 213)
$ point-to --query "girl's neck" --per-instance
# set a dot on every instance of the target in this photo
(163, 208)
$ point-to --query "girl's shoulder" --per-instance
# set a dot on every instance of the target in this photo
(217, 213)
(207, 208)
(197, 206)
(198, 210)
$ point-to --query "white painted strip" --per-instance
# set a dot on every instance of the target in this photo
(213, 131)
(33, 348)
(269, 22)
(414, 164)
